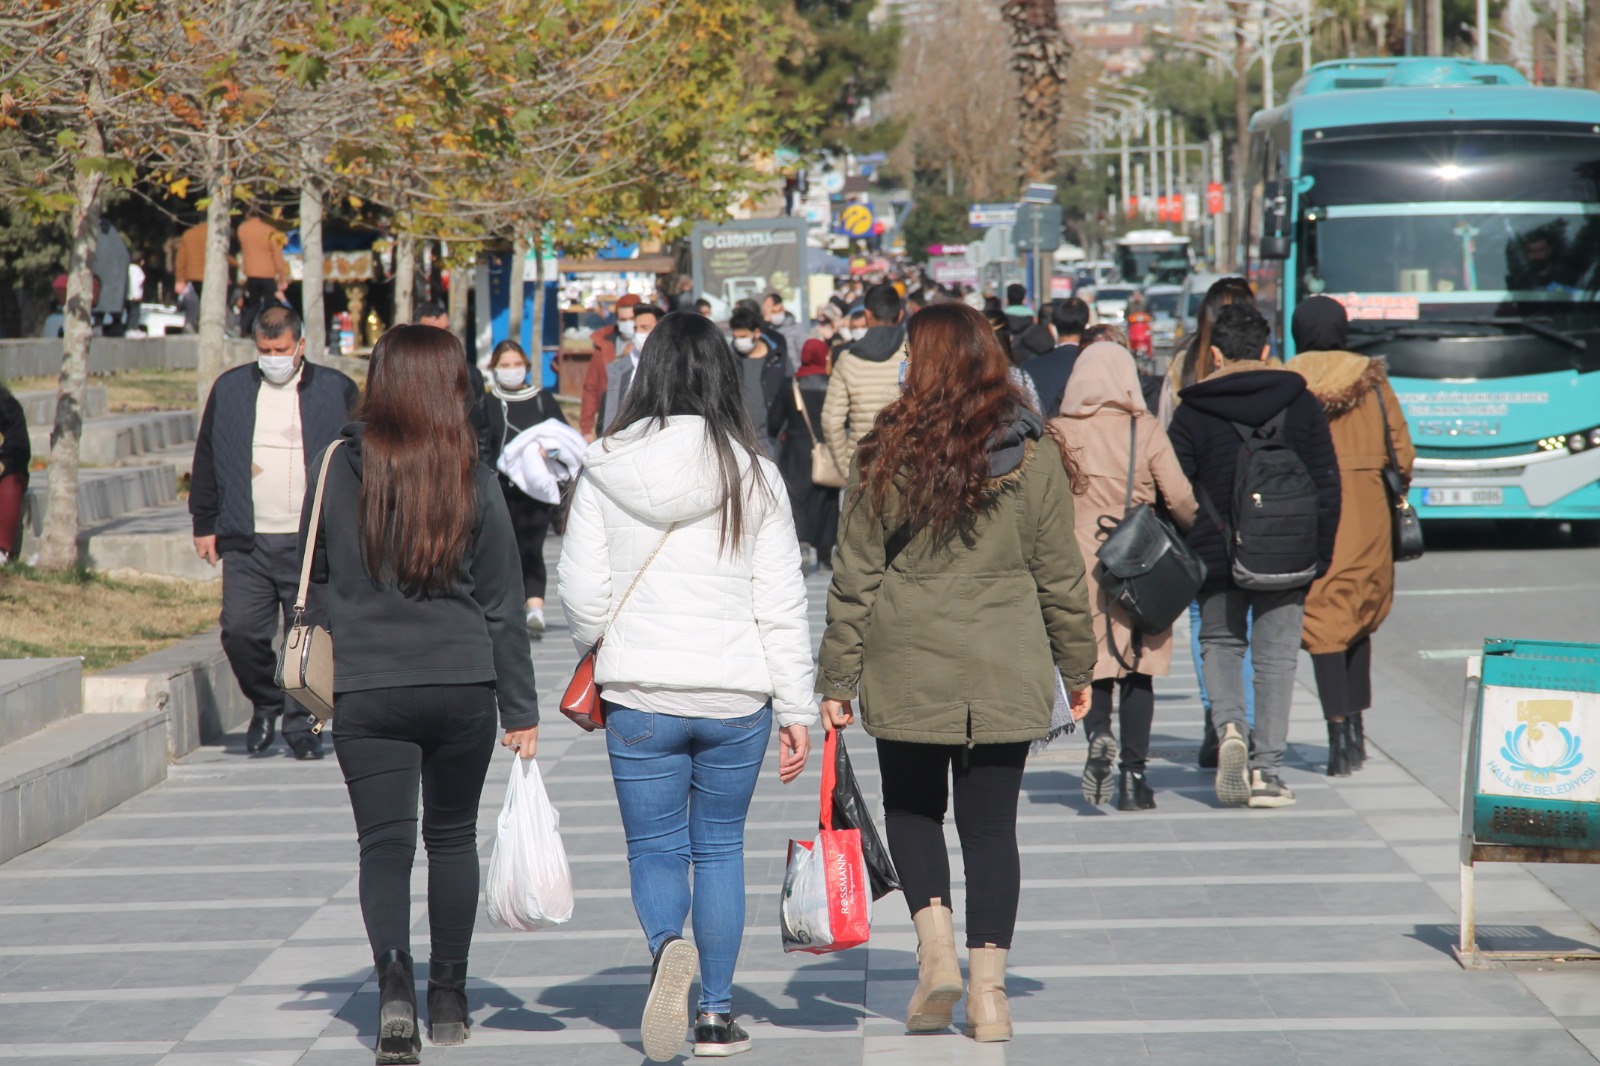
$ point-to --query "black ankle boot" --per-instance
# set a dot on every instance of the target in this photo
(1358, 741)
(1133, 792)
(448, 1018)
(398, 1039)
(1208, 746)
(1338, 749)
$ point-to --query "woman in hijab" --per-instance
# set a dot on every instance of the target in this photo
(1103, 419)
(1348, 603)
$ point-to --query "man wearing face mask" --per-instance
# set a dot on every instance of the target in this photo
(619, 373)
(263, 424)
(786, 326)
(763, 370)
(606, 341)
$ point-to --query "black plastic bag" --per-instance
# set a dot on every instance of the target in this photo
(850, 811)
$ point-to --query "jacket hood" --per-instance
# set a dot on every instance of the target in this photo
(1008, 447)
(1339, 379)
(1037, 340)
(1247, 393)
(351, 434)
(880, 343)
(1104, 376)
(659, 474)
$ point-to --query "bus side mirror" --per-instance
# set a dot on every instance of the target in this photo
(1275, 220)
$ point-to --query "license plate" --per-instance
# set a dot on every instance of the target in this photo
(1463, 497)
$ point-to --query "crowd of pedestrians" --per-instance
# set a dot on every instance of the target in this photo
(958, 470)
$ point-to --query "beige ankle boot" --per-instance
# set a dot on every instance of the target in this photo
(938, 972)
(988, 1013)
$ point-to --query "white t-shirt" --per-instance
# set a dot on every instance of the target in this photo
(135, 282)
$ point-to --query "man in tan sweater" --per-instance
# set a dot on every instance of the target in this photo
(866, 376)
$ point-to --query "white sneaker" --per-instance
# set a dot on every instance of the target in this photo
(1233, 760)
(536, 622)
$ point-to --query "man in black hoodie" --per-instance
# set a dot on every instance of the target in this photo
(1244, 389)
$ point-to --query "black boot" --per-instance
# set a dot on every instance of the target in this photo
(1133, 792)
(398, 1039)
(1208, 746)
(1338, 749)
(448, 1019)
(1358, 741)
(261, 734)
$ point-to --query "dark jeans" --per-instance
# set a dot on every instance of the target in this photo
(259, 294)
(388, 740)
(1344, 679)
(1136, 714)
(916, 792)
(530, 523)
(258, 590)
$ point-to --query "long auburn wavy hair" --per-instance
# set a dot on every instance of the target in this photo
(926, 460)
(418, 483)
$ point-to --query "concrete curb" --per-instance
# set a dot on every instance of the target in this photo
(191, 682)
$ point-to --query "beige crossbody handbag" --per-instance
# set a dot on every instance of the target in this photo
(305, 663)
(824, 471)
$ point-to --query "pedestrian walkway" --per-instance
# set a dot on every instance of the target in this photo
(213, 920)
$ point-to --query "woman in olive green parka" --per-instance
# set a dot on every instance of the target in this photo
(958, 592)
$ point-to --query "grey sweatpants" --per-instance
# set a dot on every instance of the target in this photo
(258, 590)
(1274, 645)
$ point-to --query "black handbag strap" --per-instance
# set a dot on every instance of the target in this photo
(898, 541)
(1136, 648)
(1388, 441)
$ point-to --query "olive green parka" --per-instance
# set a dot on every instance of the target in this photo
(958, 639)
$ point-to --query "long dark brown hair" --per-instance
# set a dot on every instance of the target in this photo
(926, 460)
(1197, 359)
(419, 453)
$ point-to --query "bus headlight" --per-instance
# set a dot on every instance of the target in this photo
(1577, 443)
(1594, 438)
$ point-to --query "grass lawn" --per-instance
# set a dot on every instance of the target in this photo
(106, 621)
(131, 390)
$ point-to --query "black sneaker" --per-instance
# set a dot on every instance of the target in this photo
(306, 747)
(1267, 790)
(666, 1008)
(716, 1036)
(1097, 770)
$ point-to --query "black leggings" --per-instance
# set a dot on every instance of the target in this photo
(988, 779)
(389, 740)
(1137, 712)
(530, 523)
(1344, 679)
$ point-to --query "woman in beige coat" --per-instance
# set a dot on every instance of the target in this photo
(1102, 397)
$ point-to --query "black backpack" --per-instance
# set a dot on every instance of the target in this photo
(1272, 539)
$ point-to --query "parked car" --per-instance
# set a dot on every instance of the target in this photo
(1111, 302)
(1162, 301)
(158, 320)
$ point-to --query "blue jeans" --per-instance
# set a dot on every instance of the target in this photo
(1200, 674)
(684, 788)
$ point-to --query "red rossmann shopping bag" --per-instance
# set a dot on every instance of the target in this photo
(827, 898)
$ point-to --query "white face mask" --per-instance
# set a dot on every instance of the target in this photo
(625, 329)
(776, 318)
(276, 368)
(511, 377)
(744, 345)
(639, 339)
(855, 333)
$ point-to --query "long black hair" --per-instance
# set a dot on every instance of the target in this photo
(686, 367)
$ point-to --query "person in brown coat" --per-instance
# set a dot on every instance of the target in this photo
(1348, 604)
(1102, 397)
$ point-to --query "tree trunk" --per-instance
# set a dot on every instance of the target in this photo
(1039, 56)
(405, 276)
(540, 299)
(1241, 143)
(214, 293)
(312, 204)
(519, 259)
(1591, 44)
(58, 547)
(461, 272)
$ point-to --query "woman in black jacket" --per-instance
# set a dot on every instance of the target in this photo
(816, 507)
(422, 580)
(516, 402)
(16, 452)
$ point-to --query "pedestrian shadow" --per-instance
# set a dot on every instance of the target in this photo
(1521, 938)
(507, 1010)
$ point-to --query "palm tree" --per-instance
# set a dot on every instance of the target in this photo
(1039, 56)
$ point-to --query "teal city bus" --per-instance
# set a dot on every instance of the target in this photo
(1455, 211)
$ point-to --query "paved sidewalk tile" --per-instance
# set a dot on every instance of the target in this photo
(214, 920)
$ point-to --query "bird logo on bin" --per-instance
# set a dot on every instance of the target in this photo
(1540, 746)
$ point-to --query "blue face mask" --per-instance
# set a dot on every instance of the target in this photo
(903, 365)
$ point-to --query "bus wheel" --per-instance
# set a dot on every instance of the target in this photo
(1585, 533)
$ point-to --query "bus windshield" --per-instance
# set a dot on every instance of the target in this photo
(1436, 224)
(1150, 264)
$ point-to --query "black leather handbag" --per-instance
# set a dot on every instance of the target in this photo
(1405, 526)
(1147, 567)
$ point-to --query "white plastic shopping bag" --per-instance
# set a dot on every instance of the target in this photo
(530, 885)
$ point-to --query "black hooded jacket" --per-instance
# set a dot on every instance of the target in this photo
(386, 637)
(1207, 447)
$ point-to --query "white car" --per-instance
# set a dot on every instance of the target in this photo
(1162, 301)
(1111, 302)
(158, 320)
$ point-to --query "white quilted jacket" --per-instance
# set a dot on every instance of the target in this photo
(701, 618)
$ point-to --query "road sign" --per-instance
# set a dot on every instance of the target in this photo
(947, 271)
(987, 215)
(856, 220)
(1048, 228)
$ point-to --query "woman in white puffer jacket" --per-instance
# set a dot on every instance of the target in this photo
(677, 503)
